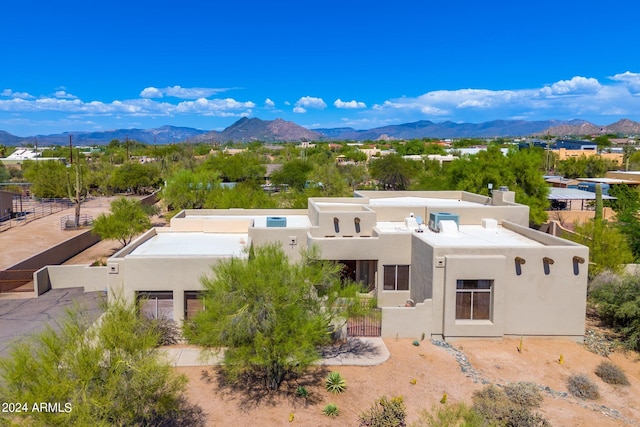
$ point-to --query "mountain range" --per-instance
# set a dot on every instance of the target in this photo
(278, 130)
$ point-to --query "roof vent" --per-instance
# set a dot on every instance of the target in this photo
(276, 221)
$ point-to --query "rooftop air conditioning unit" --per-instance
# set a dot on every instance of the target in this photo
(276, 221)
(436, 217)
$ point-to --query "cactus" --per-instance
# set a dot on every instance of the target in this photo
(598, 216)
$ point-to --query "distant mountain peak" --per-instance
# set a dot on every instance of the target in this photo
(248, 129)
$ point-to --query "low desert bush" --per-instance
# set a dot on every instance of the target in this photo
(167, 329)
(581, 386)
(524, 394)
(335, 383)
(302, 391)
(385, 413)
(611, 373)
(450, 415)
(331, 410)
(498, 408)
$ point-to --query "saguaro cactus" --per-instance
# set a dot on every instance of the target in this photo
(599, 208)
(77, 191)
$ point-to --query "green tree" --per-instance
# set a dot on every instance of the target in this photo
(189, 190)
(618, 304)
(236, 168)
(102, 374)
(608, 249)
(602, 141)
(126, 220)
(584, 167)
(135, 177)
(520, 170)
(4, 173)
(393, 172)
(48, 178)
(244, 195)
(270, 315)
(293, 173)
(626, 206)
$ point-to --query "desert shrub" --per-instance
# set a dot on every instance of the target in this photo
(167, 330)
(617, 305)
(581, 386)
(497, 407)
(611, 373)
(385, 413)
(450, 415)
(335, 383)
(331, 410)
(524, 394)
(302, 391)
(524, 417)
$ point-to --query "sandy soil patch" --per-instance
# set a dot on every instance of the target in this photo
(458, 371)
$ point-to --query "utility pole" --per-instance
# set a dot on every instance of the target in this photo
(70, 150)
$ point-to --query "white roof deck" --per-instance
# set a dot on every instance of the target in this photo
(259, 221)
(475, 236)
(193, 244)
(423, 201)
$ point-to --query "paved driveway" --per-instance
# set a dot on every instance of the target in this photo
(23, 317)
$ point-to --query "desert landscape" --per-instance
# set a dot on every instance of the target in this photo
(437, 368)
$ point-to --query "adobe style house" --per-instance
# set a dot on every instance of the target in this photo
(449, 264)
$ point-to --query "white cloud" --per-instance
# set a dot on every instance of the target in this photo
(133, 107)
(269, 103)
(576, 86)
(307, 102)
(338, 103)
(572, 98)
(630, 80)
(63, 94)
(180, 92)
(12, 94)
(151, 92)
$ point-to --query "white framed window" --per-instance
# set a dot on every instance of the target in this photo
(396, 278)
(474, 299)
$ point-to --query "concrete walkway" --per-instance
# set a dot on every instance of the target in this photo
(358, 352)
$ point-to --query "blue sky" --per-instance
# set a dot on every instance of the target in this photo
(85, 66)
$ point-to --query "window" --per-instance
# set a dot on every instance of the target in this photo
(473, 299)
(396, 278)
(193, 304)
(156, 305)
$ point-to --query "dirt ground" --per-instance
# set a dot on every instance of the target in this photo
(436, 370)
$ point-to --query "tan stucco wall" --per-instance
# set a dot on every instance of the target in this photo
(407, 322)
(176, 274)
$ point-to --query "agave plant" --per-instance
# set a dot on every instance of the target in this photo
(335, 383)
(331, 410)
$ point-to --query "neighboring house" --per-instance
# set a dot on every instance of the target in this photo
(473, 269)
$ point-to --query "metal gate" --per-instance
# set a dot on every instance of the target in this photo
(368, 325)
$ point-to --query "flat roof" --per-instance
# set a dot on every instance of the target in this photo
(422, 201)
(193, 244)
(259, 221)
(475, 236)
(574, 194)
(609, 180)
